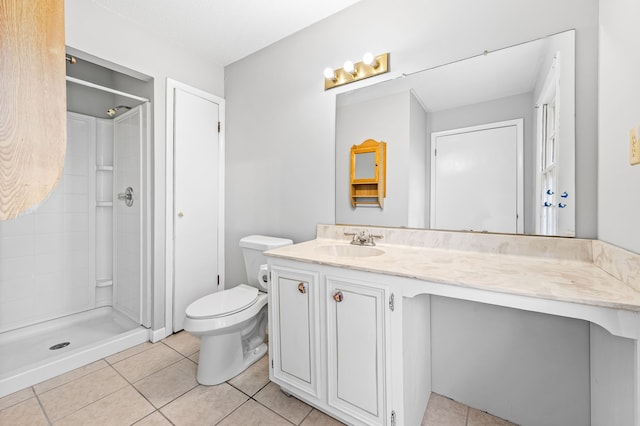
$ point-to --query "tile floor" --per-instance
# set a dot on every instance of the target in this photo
(154, 384)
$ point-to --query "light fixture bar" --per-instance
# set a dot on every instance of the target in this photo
(380, 65)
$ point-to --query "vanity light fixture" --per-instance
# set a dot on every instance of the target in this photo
(329, 74)
(369, 59)
(350, 72)
(350, 68)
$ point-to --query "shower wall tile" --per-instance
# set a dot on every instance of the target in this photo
(74, 241)
(11, 247)
(53, 204)
(48, 262)
(76, 203)
(75, 166)
(48, 253)
(75, 184)
(48, 223)
(20, 226)
(74, 222)
(48, 243)
(17, 289)
(16, 268)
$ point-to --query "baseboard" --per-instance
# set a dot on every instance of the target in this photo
(157, 335)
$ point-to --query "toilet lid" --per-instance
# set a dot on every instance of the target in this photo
(222, 303)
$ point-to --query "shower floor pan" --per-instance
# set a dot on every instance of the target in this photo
(26, 357)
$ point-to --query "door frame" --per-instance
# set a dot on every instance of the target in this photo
(172, 85)
(519, 124)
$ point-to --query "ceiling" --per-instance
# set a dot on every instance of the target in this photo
(226, 30)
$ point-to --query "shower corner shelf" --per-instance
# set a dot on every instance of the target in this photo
(104, 203)
(105, 282)
(104, 168)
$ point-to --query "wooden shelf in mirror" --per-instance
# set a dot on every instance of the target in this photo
(368, 173)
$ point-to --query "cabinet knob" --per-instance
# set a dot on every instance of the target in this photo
(302, 288)
(337, 296)
(180, 214)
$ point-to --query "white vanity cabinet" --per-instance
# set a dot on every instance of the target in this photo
(330, 341)
(294, 330)
(356, 329)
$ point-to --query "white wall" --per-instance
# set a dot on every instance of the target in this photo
(382, 119)
(96, 31)
(619, 111)
(417, 189)
(280, 121)
(526, 367)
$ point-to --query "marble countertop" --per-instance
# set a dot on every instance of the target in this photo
(563, 278)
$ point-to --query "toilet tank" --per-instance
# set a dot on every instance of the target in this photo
(252, 248)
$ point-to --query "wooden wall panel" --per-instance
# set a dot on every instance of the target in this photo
(32, 102)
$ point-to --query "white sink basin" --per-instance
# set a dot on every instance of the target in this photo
(338, 250)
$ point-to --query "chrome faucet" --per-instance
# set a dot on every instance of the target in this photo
(363, 239)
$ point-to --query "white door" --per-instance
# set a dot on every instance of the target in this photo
(130, 294)
(476, 178)
(196, 198)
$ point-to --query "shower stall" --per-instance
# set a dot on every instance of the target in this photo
(75, 271)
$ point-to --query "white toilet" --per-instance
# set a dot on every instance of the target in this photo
(232, 323)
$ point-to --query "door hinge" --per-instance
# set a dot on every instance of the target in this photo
(272, 364)
(392, 302)
(393, 418)
(218, 279)
(218, 127)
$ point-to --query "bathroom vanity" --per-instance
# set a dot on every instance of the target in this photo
(350, 325)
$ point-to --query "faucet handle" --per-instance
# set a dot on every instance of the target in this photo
(370, 241)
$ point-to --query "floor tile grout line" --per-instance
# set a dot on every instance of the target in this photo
(234, 410)
(153, 372)
(19, 402)
(132, 384)
(258, 402)
(44, 412)
(151, 414)
(288, 396)
(70, 381)
(269, 408)
(137, 353)
(93, 402)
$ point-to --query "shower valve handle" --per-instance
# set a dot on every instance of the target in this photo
(127, 196)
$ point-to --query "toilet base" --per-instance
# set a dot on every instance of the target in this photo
(230, 356)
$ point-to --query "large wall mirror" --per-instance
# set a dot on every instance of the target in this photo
(487, 143)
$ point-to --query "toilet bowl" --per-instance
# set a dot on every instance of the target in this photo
(232, 323)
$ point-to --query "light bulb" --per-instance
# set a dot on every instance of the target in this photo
(369, 59)
(329, 74)
(349, 68)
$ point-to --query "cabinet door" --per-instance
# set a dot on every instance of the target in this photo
(293, 323)
(356, 349)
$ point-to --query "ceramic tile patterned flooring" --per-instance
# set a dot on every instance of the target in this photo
(154, 384)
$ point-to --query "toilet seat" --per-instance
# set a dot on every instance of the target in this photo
(223, 303)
